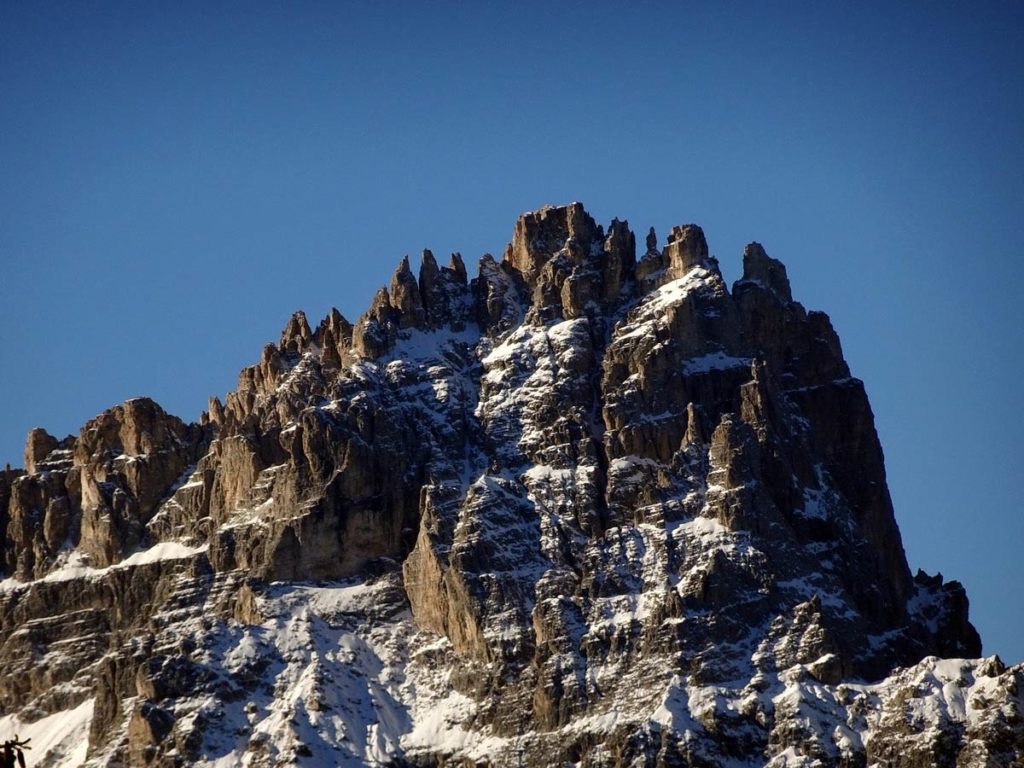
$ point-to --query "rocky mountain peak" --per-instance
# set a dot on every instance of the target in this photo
(581, 509)
(297, 336)
(405, 297)
(541, 234)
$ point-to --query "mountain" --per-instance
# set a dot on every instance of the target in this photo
(583, 509)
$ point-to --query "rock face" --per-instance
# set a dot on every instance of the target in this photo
(95, 493)
(582, 509)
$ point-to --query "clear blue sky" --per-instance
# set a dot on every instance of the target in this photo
(176, 179)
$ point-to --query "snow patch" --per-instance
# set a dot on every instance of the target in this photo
(59, 740)
(714, 361)
(75, 565)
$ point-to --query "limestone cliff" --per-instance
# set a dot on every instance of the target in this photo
(583, 509)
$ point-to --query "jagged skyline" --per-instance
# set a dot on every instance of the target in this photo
(164, 210)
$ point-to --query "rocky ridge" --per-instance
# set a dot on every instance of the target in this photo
(583, 509)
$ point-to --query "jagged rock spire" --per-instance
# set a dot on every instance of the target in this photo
(685, 250)
(433, 290)
(38, 445)
(458, 268)
(215, 410)
(405, 297)
(297, 335)
(374, 332)
(620, 262)
(759, 267)
(337, 325)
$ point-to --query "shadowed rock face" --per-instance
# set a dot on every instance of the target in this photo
(583, 508)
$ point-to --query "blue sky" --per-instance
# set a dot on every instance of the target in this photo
(176, 179)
